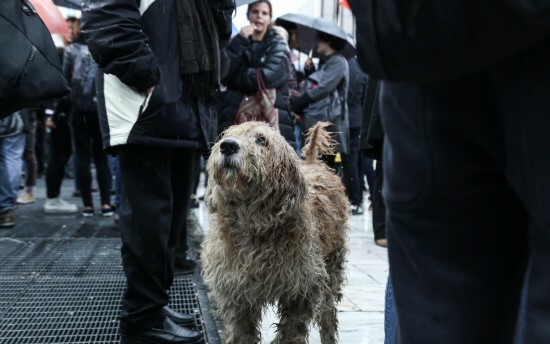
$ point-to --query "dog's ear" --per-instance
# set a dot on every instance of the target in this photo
(286, 183)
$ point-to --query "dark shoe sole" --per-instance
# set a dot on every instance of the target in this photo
(7, 225)
(129, 340)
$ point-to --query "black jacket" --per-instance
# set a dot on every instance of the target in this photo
(272, 56)
(135, 43)
(356, 93)
(430, 40)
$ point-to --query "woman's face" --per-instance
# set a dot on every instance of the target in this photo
(322, 47)
(260, 17)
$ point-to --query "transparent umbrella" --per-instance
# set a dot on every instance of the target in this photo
(308, 27)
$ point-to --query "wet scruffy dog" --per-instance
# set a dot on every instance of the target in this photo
(278, 234)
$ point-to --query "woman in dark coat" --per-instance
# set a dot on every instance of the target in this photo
(258, 46)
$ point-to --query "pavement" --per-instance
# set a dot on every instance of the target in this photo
(61, 281)
(361, 313)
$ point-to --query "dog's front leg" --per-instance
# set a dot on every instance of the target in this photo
(243, 326)
(295, 320)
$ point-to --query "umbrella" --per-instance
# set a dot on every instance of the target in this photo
(51, 16)
(308, 28)
(243, 2)
(74, 4)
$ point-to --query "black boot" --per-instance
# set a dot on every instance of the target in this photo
(180, 319)
(168, 333)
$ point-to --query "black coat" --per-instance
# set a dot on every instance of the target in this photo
(356, 93)
(272, 56)
(136, 45)
(430, 40)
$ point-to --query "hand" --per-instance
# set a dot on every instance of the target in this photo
(309, 64)
(50, 123)
(247, 31)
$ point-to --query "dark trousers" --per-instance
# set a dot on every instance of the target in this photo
(88, 145)
(59, 154)
(467, 186)
(366, 170)
(378, 207)
(156, 186)
(29, 157)
(40, 143)
(350, 169)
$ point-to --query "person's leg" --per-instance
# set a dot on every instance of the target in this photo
(60, 151)
(369, 173)
(378, 207)
(145, 225)
(521, 85)
(39, 144)
(184, 166)
(103, 171)
(82, 142)
(6, 192)
(390, 316)
(456, 230)
(29, 156)
(14, 147)
(351, 173)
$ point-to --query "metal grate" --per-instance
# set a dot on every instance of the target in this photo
(69, 291)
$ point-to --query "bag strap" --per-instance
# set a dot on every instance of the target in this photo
(260, 79)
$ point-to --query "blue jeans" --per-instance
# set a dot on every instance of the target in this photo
(115, 171)
(390, 316)
(6, 192)
(14, 146)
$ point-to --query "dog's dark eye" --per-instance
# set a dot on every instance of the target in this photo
(261, 140)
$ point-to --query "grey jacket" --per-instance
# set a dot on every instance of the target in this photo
(334, 75)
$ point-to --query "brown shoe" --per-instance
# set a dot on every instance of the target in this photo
(382, 242)
(6, 219)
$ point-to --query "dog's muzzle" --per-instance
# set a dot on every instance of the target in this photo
(229, 147)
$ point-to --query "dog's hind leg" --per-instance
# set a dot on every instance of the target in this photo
(243, 326)
(328, 313)
(295, 319)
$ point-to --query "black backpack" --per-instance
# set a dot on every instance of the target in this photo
(30, 71)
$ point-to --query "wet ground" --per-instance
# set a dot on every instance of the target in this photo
(61, 279)
(361, 313)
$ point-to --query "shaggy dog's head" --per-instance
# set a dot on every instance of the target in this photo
(254, 158)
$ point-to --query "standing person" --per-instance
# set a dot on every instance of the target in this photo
(60, 149)
(29, 156)
(467, 164)
(80, 69)
(329, 83)
(161, 66)
(258, 46)
(350, 161)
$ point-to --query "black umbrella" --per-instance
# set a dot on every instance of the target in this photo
(308, 29)
(243, 2)
(74, 4)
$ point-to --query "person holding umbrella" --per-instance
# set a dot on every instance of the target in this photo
(325, 94)
(258, 47)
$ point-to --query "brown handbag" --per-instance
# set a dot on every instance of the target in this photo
(259, 106)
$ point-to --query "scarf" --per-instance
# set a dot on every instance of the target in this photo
(204, 28)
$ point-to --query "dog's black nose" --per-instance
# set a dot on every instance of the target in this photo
(229, 147)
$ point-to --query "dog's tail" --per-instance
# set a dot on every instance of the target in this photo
(318, 142)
